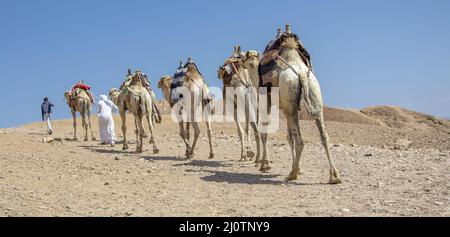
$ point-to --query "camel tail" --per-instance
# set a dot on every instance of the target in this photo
(311, 104)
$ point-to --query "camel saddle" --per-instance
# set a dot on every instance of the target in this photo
(144, 82)
(77, 91)
(269, 63)
(177, 83)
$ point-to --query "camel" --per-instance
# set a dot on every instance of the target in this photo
(81, 104)
(114, 92)
(136, 99)
(193, 81)
(234, 74)
(292, 76)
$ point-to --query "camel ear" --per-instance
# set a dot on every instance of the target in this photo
(160, 83)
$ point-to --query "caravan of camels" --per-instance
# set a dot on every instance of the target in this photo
(252, 83)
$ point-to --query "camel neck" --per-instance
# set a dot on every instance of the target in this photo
(254, 76)
(166, 93)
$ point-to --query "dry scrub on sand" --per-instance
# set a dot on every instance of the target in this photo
(393, 162)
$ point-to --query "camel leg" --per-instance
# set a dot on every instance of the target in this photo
(241, 138)
(152, 138)
(188, 134)
(209, 132)
(136, 133)
(136, 129)
(250, 153)
(296, 140)
(183, 136)
(144, 133)
(123, 117)
(90, 127)
(139, 133)
(290, 139)
(334, 173)
(85, 126)
(258, 141)
(74, 116)
(265, 158)
(196, 127)
(252, 120)
(265, 162)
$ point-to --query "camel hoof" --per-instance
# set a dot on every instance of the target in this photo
(139, 151)
(335, 180)
(243, 159)
(155, 151)
(94, 139)
(293, 175)
(86, 140)
(250, 154)
(75, 139)
(334, 177)
(265, 168)
(257, 162)
(124, 148)
(211, 156)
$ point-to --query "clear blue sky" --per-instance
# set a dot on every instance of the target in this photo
(365, 52)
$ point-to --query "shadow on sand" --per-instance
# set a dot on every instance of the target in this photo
(162, 158)
(240, 178)
(204, 163)
(246, 178)
(105, 150)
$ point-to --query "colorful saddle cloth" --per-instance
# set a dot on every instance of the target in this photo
(269, 63)
(177, 83)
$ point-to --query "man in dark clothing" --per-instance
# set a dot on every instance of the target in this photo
(46, 108)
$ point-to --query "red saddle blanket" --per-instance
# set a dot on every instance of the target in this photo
(81, 86)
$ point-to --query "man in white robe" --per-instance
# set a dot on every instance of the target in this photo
(106, 121)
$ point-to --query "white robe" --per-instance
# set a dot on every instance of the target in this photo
(106, 121)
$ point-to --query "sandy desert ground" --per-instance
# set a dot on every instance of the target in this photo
(393, 162)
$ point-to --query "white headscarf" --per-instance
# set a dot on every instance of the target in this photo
(105, 99)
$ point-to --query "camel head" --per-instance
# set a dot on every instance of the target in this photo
(165, 82)
(114, 95)
(233, 71)
(251, 60)
(67, 96)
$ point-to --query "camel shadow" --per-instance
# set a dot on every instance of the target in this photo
(161, 158)
(106, 151)
(309, 184)
(241, 178)
(204, 163)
